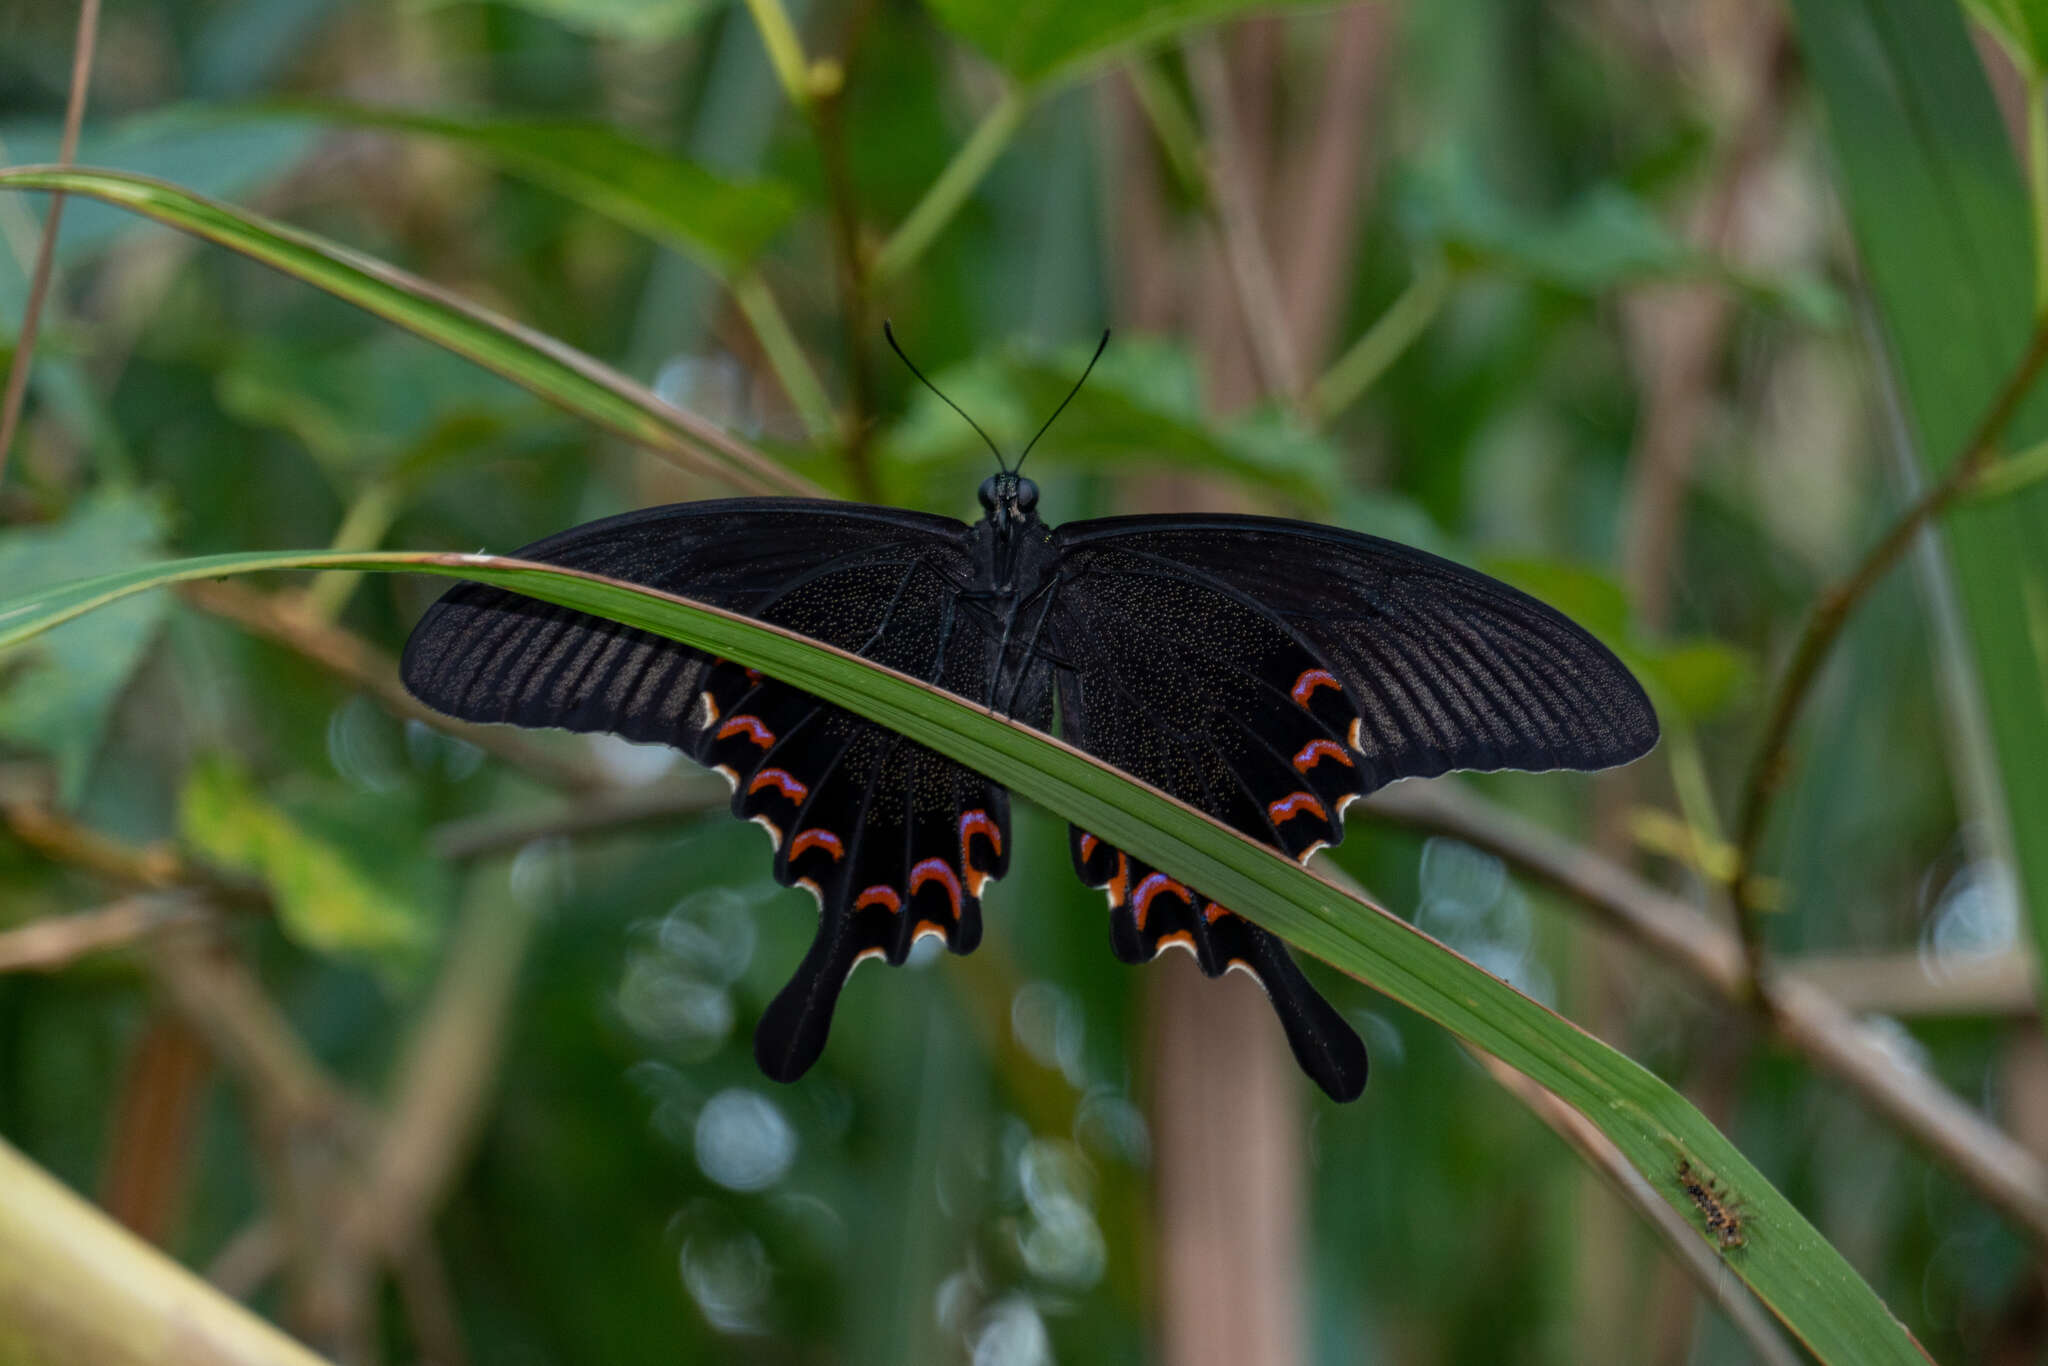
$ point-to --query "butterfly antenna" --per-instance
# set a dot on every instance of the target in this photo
(1099, 348)
(889, 332)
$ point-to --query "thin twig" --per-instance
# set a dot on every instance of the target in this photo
(156, 867)
(1832, 613)
(46, 252)
(1804, 1019)
(56, 942)
(955, 183)
(596, 812)
(1237, 219)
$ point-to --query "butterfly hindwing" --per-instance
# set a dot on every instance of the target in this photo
(1271, 673)
(894, 840)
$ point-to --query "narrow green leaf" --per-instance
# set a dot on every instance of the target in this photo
(721, 223)
(561, 374)
(1040, 40)
(1939, 212)
(58, 700)
(2021, 27)
(1795, 1271)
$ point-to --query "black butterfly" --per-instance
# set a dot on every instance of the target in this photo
(1266, 671)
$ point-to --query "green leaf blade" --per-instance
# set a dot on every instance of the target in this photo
(1803, 1280)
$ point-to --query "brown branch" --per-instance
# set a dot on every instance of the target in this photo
(597, 813)
(1832, 613)
(1803, 1018)
(157, 867)
(58, 941)
(46, 251)
(1235, 199)
(1326, 185)
(277, 619)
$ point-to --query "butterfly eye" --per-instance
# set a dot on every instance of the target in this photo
(988, 493)
(1027, 495)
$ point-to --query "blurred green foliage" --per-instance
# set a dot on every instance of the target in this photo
(969, 1173)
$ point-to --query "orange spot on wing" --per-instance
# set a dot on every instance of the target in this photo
(936, 870)
(1153, 885)
(779, 779)
(1088, 843)
(1315, 751)
(1120, 885)
(1178, 939)
(885, 897)
(817, 839)
(749, 726)
(1291, 806)
(1311, 679)
(974, 823)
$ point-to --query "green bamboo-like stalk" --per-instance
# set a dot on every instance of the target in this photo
(77, 1288)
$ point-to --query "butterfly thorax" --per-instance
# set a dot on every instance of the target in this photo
(1014, 552)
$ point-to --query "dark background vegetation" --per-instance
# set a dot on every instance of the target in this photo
(455, 1065)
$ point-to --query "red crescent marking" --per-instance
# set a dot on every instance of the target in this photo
(925, 927)
(817, 839)
(1317, 750)
(978, 823)
(1289, 807)
(1141, 900)
(1088, 843)
(1119, 886)
(884, 897)
(1180, 937)
(1215, 911)
(753, 675)
(776, 778)
(751, 726)
(936, 870)
(1311, 679)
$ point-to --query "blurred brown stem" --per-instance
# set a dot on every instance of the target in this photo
(56, 942)
(1824, 627)
(46, 251)
(1235, 195)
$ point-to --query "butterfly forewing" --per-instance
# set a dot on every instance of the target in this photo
(895, 841)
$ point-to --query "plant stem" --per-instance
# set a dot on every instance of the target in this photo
(951, 189)
(2037, 185)
(2010, 475)
(785, 50)
(1392, 333)
(46, 251)
(76, 1286)
(362, 528)
(1825, 625)
(1172, 124)
(786, 356)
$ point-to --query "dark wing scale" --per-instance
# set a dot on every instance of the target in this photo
(1196, 692)
(1151, 912)
(870, 823)
(1272, 672)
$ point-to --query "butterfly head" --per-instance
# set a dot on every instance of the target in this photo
(1009, 499)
